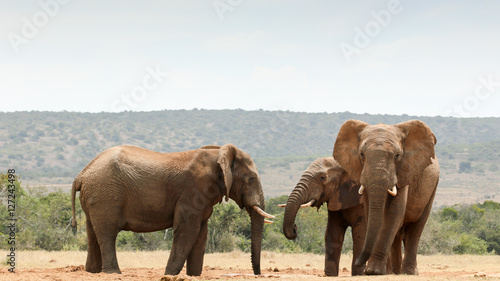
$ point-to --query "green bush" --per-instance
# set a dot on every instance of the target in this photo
(470, 244)
(44, 222)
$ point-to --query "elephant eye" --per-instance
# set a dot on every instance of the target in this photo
(251, 179)
(322, 178)
(397, 156)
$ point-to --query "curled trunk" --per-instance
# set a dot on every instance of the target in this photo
(292, 206)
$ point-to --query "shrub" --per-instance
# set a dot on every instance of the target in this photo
(470, 244)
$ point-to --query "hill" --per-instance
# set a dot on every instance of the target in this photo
(50, 148)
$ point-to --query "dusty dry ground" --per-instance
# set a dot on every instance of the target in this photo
(40, 265)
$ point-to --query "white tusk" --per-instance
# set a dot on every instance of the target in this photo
(309, 204)
(361, 188)
(268, 221)
(282, 205)
(394, 191)
(262, 213)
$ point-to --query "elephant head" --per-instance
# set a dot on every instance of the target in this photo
(242, 184)
(386, 160)
(323, 181)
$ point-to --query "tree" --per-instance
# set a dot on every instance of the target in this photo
(465, 167)
(449, 213)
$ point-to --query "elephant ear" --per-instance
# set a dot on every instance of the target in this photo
(418, 149)
(227, 154)
(346, 146)
(346, 196)
(210, 146)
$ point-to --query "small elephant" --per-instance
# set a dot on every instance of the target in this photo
(132, 188)
(397, 168)
(325, 181)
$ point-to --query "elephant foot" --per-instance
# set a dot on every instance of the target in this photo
(411, 271)
(92, 270)
(169, 271)
(193, 272)
(93, 267)
(375, 271)
(358, 270)
(112, 270)
(331, 273)
(374, 268)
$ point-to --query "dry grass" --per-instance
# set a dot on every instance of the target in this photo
(158, 259)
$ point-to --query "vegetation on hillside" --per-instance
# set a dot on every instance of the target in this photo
(44, 222)
(60, 144)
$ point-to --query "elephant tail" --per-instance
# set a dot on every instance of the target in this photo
(76, 187)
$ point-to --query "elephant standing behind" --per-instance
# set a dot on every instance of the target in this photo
(325, 181)
(132, 188)
(397, 168)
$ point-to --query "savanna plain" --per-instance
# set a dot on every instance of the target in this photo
(49, 148)
(150, 265)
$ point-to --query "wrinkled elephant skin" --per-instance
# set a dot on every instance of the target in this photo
(399, 172)
(132, 188)
(325, 181)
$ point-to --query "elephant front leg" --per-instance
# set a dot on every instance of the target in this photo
(411, 239)
(194, 264)
(392, 222)
(186, 231)
(334, 238)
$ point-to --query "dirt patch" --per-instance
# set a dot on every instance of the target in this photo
(212, 273)
(61, 266)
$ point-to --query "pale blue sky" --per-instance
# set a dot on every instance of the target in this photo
(389, 57)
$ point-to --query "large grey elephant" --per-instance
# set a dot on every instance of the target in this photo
(325, 181)
(132, 188)
(398, 170)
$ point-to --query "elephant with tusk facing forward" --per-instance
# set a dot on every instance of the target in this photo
(132, 188)
(398, 171)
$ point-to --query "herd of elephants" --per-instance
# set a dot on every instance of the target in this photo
(381, 181)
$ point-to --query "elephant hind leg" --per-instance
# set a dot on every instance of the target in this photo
(194, 264)
(334, 238)
(108, 249)
(106, 229)
(358, 239)
(396, 255)
(94, 261)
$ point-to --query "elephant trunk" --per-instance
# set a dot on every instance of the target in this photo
(296, 198)
(255, 208)
(257, 224)
(376, 205)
